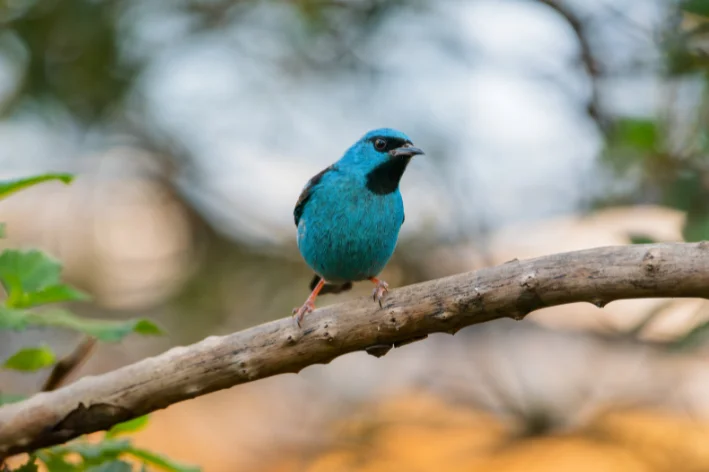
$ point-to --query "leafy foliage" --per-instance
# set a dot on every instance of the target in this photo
(109, 454)
(31, 359)
(9, 187)
(696, 227)
(72, 53)
(82, 70)
(160, 461)
(651, 173)
(131, 426)
(113, 466)
(697, 7)
(12, 319)
(658, 158)
(104, 330)
(32, 279)
(641, 239)
(639, 134)
(30, 466)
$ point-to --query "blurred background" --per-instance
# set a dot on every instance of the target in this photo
(548, 125)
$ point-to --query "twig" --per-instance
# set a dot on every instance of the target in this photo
(513, 290)
(586, 57)
(69, 364)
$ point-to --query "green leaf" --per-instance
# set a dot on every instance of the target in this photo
(146, 327)
(131, 426)
(686, 192)
(32, 278)
(696, 227)
(9, 187)
(94, 453)
(162, 462)
(641, 239)
(113, 466)
(6, 398)
(697, 7)
(30, 466)
(104, 330)
(24, 272)
(52, 294)
(31, 359)
(2, 230)
(97, 454)
(12, 319)
(56, 463)
(637, 133)
(694, 338)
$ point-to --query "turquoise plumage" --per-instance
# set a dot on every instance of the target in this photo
(349, 215)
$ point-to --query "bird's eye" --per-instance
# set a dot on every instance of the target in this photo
(380, 144)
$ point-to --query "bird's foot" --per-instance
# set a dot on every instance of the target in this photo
(299, 313)
(309, 305)
(381, 289)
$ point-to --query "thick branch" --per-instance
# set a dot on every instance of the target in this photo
(512, 290)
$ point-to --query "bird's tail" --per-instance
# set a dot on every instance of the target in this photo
(330, 288)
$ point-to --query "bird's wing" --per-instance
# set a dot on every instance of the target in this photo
(308, 192)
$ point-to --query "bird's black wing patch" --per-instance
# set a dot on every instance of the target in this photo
(307, 192)
(330, 288)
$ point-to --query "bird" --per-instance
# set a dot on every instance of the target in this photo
(348, 216)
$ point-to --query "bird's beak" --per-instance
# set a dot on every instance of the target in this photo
(407, 150)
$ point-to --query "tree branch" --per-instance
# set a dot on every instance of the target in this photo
(410, 313)
(587, 59)
(64, 368)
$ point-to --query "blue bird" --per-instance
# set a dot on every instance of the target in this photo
(349, 215)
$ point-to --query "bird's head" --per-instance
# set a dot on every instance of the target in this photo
(382, 156)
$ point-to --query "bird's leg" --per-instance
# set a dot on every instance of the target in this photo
(380, 289)
(309, 304)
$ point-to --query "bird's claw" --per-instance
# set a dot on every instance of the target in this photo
(299, 313)
(379, 291)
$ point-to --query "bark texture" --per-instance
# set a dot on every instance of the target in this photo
(410, 313)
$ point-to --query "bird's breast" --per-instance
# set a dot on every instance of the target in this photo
(350, 234)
